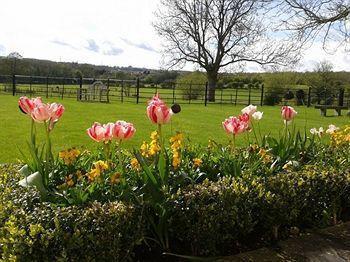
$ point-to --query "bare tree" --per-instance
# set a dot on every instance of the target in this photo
(325, 19)
(216, 33)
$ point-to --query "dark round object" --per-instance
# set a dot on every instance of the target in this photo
(176, 108)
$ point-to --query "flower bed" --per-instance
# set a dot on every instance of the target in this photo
(170, 195)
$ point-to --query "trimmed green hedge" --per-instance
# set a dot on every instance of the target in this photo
(35, 231)
(218, 218)
(207, 219)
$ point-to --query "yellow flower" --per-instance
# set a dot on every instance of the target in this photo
(144, 149)
(69, 156)
(154, 135)
(135, 164)
(266, 158)
(98, 169)
(154, 148)
(69, 181)
(101, 165)
(197, 162)
(176, 145)
(79, 175)
(341, 137)
(115, 178)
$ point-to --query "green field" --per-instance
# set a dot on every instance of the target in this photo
(198, 123)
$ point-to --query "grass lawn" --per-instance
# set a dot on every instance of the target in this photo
(198, 123)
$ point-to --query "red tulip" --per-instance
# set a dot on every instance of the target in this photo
(27, 105)
(234, 125)
(288, 113)
(123, 130)
(100, 132)
(157, 111)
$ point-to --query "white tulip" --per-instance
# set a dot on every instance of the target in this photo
(257, 115)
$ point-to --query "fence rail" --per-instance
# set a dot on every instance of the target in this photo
(136, 91)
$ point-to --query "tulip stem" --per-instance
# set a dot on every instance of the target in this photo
(48, 159)
(107, 150)
(259, 132)
(32, 135)
(160, 136)
(120, 154)
(233, 143)
(256, 138)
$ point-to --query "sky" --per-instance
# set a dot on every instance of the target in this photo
(104, 32)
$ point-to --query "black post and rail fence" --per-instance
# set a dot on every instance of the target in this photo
(139, 92)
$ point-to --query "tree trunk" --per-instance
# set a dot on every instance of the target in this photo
(212, 81)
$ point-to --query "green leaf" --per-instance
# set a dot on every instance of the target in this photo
(146, 169)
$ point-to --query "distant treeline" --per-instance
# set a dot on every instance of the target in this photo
(36, 67)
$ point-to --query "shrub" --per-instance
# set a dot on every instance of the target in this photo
(222, 217)
(300, 97)
(272, 98)
(34, 231)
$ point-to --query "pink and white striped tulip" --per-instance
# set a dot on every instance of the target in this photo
(27, 105)
(100, 132)
(234, 125)
(250, 110)
(41, 113)
(123, 130)
(157, 111)
(56, 111)
(288, 113)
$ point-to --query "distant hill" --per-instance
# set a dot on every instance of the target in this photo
(38, 67)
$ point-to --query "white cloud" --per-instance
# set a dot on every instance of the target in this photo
(111, 32)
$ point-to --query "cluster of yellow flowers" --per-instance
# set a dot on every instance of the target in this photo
(70, 179)
(266, 158)
(197, 162)
(69, 156)
(135, 164)
(97, 170)
(153, 148)
(176, 145)
(341, 137)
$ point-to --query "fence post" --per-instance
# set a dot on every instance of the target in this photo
(206, 94)
(173, 84)
(236, 96)
(13, 84)
(249, 94)
(137, 90)
(189, 98)
(30, 86)
(262, 95)
(221, 95)
(63, 83)
(80, 88)
(122, 92)
(47, 87)
(309, 97)
(107, 90)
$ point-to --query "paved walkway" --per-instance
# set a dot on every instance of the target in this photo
(327, 245)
